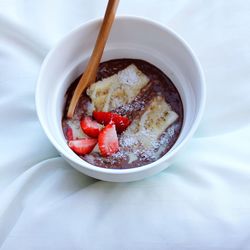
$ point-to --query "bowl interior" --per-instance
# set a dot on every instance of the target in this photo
(128, 39)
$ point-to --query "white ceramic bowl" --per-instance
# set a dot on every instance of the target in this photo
(131, 37)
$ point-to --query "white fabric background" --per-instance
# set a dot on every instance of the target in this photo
(200, 202)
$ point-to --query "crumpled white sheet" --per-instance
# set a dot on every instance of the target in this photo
(201, 202)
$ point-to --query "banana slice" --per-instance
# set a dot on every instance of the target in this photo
(118, 89)
(146, 129)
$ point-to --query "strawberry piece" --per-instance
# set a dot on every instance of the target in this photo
(90, 127)
(102, 117)
(108, 140)
(121, 122)
(69, 134)
(82, 146)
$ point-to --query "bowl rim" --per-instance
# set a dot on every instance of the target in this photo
(165, 157)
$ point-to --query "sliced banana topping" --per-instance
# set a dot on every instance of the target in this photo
(118, 89)
(146, 129)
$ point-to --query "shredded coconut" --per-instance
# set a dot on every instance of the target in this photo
(74, 124)
(128, 76)
(132, 107)
(90, 108)
(156, 147)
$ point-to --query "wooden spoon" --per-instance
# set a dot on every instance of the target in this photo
(90, 73)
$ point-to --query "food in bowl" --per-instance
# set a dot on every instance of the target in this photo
(131, 116)
(128, 38)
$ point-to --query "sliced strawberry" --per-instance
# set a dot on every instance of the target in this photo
(69, 133)
(102, 117)
(82, 146)
(121, 122)
(90, 127)
(108, 140)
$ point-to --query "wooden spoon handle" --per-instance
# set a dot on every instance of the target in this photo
(90, 72)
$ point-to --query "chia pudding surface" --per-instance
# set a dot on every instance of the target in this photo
(159, 84)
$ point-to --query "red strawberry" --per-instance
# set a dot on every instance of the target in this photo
(82, 146)
(90, 127)
(121, 122)
(108, 140)
(69, 133)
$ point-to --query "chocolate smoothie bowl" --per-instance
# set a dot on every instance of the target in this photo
(135, 93)
(144, 105)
